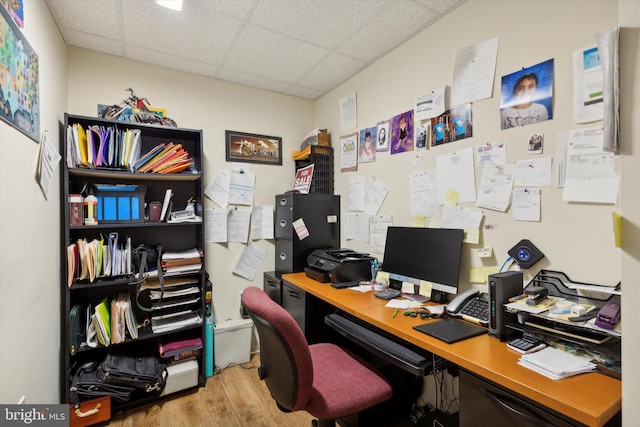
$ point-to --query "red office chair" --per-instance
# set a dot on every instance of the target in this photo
(322, 379)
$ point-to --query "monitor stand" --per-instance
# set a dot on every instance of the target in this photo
(438, 297)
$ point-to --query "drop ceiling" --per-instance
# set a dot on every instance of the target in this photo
(303, 48)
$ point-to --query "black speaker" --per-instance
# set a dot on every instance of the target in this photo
(502, 286)
(525, 254)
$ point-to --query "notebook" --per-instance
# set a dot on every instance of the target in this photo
(451, 330)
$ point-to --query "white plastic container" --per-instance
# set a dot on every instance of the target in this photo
(180, 376)
(232, 342)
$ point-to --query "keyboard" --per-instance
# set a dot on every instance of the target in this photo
(477, 310)
(389, 293)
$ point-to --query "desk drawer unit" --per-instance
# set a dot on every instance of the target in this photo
(483, 404)
(273, 285)
(295, 302)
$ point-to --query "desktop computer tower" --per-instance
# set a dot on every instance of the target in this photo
(502, 286)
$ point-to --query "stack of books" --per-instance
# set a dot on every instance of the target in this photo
(165, 157)
(556, 364)
(178, 350)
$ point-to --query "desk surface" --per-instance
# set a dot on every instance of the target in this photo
(591, 399)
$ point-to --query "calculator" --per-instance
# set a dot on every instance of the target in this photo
(526, 344)
(389, 293)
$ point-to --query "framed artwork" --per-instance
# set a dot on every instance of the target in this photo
(19, 80)
(252, 148)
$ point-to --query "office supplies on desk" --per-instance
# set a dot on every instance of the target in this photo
(526, 344)
(471, 306)
(389, 293)
(461, 300)
(556, 364)
(338, 265)
(561, 288)
(450, 330)
(608, 315)
(476, 310)
(415, 297)
(342, 285)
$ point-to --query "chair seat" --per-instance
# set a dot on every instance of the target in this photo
(342, 384)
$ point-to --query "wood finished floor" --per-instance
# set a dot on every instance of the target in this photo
(234, 398)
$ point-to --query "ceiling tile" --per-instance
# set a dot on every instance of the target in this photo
(170, 61)
(235, 8)
(252, 80)
(325, 23)
(80, 15)
(382, 35)
(441, 6)
(332, 71)
(272, 55)
(150, 26)
(96, 43)
(303, 92)
(299, 47)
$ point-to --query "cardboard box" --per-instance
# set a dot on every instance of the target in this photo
(181, 376)
(322, 138)
(232, 342)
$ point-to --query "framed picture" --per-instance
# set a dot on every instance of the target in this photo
(19, 80)
(252, 148)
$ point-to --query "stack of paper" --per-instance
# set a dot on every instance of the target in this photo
(123, 319)
(185, 262)
(172, 321)
(556, 364)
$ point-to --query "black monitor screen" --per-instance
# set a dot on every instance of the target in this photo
(430, 254)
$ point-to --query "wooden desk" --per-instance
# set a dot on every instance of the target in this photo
(591, 399)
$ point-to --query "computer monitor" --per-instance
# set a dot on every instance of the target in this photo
(431, 254)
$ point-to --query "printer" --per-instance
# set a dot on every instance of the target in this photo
(338, 265)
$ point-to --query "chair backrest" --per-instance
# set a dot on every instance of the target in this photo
(285, 360)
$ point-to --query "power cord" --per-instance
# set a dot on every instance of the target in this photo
(509, 258)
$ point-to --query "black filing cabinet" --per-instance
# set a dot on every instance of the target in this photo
(273, 285)
(309, 312)
(320, 214)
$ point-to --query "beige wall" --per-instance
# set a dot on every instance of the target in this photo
(629, 21)
(576, 238)
(30, 232)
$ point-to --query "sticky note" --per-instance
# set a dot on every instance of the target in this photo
(452, 198)
(418, 221)
(484, 252)
(617, 229)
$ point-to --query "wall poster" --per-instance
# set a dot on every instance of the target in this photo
(19, 80)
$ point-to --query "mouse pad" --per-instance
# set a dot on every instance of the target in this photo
(451, 330)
